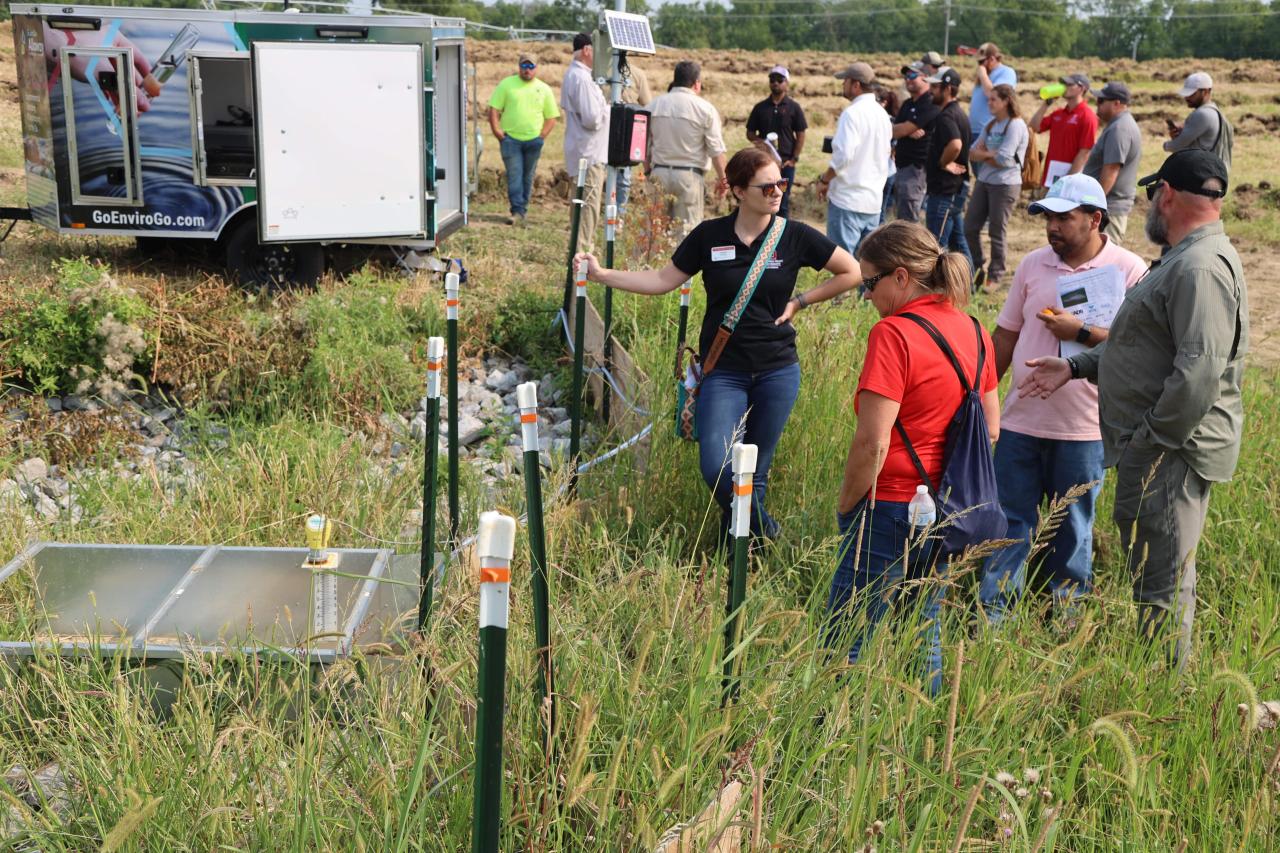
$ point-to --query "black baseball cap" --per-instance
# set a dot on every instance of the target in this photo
(946, 75)
(1186, 171)
(581, 40)
(1113, 91)
(1075, 80)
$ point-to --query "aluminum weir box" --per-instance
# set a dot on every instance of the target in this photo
(168, 601)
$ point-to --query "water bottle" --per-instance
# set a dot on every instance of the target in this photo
(921, 510)
(1053, 90)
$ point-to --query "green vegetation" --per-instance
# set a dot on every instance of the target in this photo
(373, 755)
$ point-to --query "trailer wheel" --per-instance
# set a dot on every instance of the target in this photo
(275, 266)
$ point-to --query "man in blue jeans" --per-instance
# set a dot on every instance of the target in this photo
(1050, 450)
(947, 165)
(853, 185)
(522, 112)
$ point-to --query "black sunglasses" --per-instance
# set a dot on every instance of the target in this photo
(770, 189)
(1156, 185)
(869, 284)
(911, 75)
(776, 78)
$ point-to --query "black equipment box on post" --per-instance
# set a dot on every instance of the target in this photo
(628, 135)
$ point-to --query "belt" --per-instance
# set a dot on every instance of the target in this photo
(696, 169)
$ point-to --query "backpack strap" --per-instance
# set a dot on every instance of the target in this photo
(964, 383)
(739, 305)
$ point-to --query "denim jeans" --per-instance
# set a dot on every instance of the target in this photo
(887, 204)
(765, 400)
(788, 175)
(847, 229)
(944, 217)
(1030, 471)
(872, 582)
(623, 190)
(521, 161)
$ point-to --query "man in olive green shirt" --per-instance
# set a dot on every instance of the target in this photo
(522, 112)
(1169, 389)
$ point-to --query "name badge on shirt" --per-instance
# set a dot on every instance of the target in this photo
(722, 253)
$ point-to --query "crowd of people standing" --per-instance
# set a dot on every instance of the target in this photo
(1154, 391)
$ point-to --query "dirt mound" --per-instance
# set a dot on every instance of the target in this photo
(1252, 123)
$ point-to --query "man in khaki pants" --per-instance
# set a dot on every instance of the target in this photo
(684, 133)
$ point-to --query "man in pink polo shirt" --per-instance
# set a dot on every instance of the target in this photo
(1049, 446)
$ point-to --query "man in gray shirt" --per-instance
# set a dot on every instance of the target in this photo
(1206, 127)
(1169, 390)
(1113, 162)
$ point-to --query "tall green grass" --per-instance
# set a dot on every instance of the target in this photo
(375, 753)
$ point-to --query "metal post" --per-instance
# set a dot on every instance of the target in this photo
(610, 234)
(451, 329)
(744, 468)
(946, 30)
(579, 348)
(683, 329)
(527, 398)
(430, 456)
(495, 545)
(575, 222)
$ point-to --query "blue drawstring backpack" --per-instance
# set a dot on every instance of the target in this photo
(968, 503)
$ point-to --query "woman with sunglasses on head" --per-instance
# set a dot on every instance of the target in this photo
(749, 392)
(998, 156)
(906, 379)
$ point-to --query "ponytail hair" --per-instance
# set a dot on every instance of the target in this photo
(911, 246)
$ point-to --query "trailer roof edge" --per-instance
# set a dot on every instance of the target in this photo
(246, 15)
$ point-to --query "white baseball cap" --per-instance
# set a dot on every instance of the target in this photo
(1194, 83)
(1070, 192)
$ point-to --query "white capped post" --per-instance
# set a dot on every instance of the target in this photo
(527, 399)
(744, 469)
(451, 295)
(435, 361)
(495, 546)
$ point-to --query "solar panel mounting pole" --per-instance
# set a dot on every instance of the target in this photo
(611, 225)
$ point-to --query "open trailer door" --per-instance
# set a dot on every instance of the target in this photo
(341, 141)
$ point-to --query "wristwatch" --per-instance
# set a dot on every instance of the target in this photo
(799, 298)
(1085, 333)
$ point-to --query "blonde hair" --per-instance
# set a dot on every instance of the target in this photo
(910, 245)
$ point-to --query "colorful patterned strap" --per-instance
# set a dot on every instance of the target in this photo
(739, 305)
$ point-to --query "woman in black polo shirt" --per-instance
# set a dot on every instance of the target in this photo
(757, 376)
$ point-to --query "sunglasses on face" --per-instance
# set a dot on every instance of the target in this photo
(911, 75)
(776, 78)
(771, 189)
(528, 66)
(869, 284)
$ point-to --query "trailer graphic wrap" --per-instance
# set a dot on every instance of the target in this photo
(122, 126)
(37, 123)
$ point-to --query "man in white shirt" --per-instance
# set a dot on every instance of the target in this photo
(586, 135)
(853, 185)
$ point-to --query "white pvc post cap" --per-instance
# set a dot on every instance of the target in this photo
(744, 458)
(582, 170)
(451, 280)
(583, 266)
(527, 395)
(435, 348)
(497, 537)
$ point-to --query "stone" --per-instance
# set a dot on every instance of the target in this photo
(397, 450)
(46, 507)
(76, 403)
(32, 469)
(393, 423)
(501, 381)
(471, 430)
(562, 428)
(10, 492)
(54, 404)
(418, 428)
(560, 447)
(556, 413)
(156, 441)
(55, 488)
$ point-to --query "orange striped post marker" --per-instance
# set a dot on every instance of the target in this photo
(451, 329)
(431, 455)
(495, 545)
(527, 398)
(744, 469)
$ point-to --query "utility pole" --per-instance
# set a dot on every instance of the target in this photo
(946, 30)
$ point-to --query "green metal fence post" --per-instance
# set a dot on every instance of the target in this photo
(579, 350)
(744, 468)
(451, 329)
(527, 398)
(495, 546)
(430, 456)
(610, 235)
(575, 223)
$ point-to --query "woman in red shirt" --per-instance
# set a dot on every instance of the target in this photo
(905, 377)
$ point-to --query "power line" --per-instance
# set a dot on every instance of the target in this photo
(824, 13)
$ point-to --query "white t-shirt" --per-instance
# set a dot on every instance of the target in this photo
(860, 156)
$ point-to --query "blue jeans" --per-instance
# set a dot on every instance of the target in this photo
(847, 229)
(788, 175)
(944, 217)
(521, 161)
(887, 204)
(623, 189)
(871, 583)
(765, 400)
(1029, 471)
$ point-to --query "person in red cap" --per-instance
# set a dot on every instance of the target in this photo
(1169, 401)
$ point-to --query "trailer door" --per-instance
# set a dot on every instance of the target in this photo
(341, 141)
(450, 131)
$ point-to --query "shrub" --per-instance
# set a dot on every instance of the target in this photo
(78, 332)
(522, 326)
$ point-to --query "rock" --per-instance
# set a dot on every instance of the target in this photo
(76, 403)
(156, 441)
(397, 450)
(10, 492)
(562, 428)
(54, 488)
(514, 457)
(470, 430)
(418, 428)
(560, 447)
(32, 469)
(393, 423)
(501, 381)
(46, 507)
(54, 404)
(164, 414)
(556, 413)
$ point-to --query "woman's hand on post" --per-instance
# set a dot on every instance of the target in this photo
(1047, 375)
(594, 271)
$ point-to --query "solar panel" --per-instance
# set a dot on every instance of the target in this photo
(629, 32)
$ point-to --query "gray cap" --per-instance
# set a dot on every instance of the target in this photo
(1113, 91)
(1075, 80)
(1194, 83)
(933, 58)
(860, 71)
